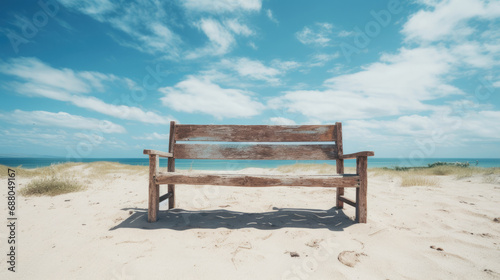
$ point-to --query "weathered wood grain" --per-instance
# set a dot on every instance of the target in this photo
(361, 192)
(256, 133)
(171, 164)
(261, 151)
(254, 152)
(339, 163)
(358, 154)
(154, 189)
(242, 180)
(158, 153)
(347, 200)
(166, 196)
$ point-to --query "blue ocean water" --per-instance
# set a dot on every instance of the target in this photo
(241, 164)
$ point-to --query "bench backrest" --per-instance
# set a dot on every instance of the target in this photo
(278, 142)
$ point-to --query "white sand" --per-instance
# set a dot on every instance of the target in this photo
(250, 233)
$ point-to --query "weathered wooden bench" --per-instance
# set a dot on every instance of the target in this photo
(181, 147)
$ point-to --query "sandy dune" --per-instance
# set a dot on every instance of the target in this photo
(445, 232)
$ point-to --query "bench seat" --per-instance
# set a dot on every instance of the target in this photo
(257, 142)
(252, 180)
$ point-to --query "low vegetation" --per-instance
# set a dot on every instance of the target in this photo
(51, 186)
(420, 176)
(59, 178)
(52, 180)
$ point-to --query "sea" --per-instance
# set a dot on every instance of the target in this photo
(241, 164)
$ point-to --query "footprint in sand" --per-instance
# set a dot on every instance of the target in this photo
(350, 258)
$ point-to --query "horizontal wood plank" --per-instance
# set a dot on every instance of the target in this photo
(256, 133)
(158, 153)
(255, 152)
(358, 154)
(242, 180)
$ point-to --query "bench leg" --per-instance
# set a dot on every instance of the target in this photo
(154, 190)
(361, 192)
(171, 200)
(154, 202)
(340, 191)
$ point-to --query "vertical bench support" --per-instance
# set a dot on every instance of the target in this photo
(171, 164)
(154, 189)
(361, 192)
(339, 162)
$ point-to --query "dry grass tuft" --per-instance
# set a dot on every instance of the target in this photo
(424, 175)
(30, 173)
(104, 168)
(491, 179)
(51, 186)
(51, 181)
(409, 180)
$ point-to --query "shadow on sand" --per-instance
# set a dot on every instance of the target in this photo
(180, 219)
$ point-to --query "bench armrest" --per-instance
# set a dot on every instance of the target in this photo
(158, 153)
(360, 154)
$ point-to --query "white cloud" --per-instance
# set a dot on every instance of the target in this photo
(318, 35)
(118, 111)
(282, 121)
(238, 28)
(285, 65)
(62, 119)
(200, 95)
(34, 71)
(221, 40)
(253, 69)
(410, 74)
(152, 136)
(442, 126)
(448, 19)
(41, 80)
(474, 54)
(396, 85)
(270, 16)
(221, 36)
(222, 6)
(144, 23)
(321, 59)
(345, 33)
(16, 137)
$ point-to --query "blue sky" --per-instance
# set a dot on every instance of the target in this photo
(98, 78)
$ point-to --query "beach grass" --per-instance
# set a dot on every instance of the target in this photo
(104, 168)
(408, 180)
(34, 172)
(51, 186)
(51, 181)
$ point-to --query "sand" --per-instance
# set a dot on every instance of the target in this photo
(441, 232)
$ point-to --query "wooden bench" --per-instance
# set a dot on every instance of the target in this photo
(181, 147)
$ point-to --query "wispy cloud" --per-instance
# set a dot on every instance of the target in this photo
(221, 37)
(201, 95)
(270, 16)
(396, 85)
(252, 69)
(318, 34)
(152, 136)
(35, 78)
(61, 119)
(145, 24)
(448, 19)
(281, 121)
(222, 6)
